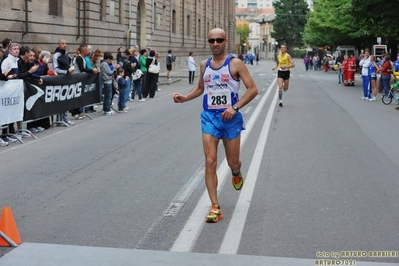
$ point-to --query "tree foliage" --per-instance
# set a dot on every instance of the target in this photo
(243, 30)
(377, 18)
(356, 22)
(330, 22)
(291, 16)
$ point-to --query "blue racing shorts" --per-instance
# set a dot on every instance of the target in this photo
(213, 124)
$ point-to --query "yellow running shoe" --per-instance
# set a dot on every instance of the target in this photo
(238, 181)
(215, 214)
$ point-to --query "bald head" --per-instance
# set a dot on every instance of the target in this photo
(217, 42)
(217, 31)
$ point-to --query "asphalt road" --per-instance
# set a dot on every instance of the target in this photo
(321, 176)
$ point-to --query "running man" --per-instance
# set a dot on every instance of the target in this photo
(284, 62)
(219, 83)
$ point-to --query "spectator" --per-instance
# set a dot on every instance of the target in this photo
(345, 68)
(338, 61)
(351, 70)
(191, 68)
(306, 61)
(169, 60)
(150, 84)
(6, 45)
(316, 62)
(326, 63)
(25, 70)
(257, 58)
(137, 84)
(365, 63)
(374, 68)
(9, 70)
(251, 59)
(96, 60)
(106, 75)
(120, 54)
(128, 67)
(310, 63)
(62, 66)
(82, 65)
(386, 75)
(41, 59)
(397, 63)
(123, 86)
(143, 59)
(2, 54)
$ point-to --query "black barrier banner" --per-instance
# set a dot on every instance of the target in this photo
(59, 94)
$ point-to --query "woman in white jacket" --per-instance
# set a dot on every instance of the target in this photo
(191, 68)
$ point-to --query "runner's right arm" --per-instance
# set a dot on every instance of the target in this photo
(198, 90)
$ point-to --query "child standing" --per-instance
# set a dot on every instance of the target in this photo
(123, 86)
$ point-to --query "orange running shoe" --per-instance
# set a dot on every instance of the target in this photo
(215, 214)
(238, 181)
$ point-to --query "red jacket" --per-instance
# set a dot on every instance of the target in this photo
(352, 64)
(386, 67)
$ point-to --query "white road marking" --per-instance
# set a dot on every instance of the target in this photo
(193, 227)
(234, 231)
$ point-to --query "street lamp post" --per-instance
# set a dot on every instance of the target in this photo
(275, 51)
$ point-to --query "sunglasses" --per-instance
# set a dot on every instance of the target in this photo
(218, 40)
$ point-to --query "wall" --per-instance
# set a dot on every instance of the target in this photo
(108, 24)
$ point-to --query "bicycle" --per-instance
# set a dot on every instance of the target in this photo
(388, 99)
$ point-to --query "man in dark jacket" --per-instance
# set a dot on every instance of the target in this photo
(339, 61)
(62, 66)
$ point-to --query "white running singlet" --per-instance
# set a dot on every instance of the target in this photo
(220, 88)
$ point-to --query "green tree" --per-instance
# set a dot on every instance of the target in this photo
(243, 30)
(291, 17)
(377, 19)
(356, 22)
(331, 23)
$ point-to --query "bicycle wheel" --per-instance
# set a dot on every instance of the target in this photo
(386, 99)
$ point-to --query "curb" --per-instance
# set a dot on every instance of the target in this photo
(168, 82)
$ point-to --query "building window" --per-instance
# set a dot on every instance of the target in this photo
(154, 18)
(163, 17)
(112, 8)
(199, 27)
(121, 12)
(103, 9)
(188, 26)
(173, 21)
(55, 7)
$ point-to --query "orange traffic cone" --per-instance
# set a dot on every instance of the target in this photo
(8, 227)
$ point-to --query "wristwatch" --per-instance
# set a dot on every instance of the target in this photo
(235, 107)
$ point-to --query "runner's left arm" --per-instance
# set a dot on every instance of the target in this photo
(292, 63)
(241, 71)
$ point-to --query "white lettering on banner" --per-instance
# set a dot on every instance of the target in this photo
(90, 87)
(63, 92)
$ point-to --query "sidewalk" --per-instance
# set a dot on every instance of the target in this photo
(176, 75)
(35, 254)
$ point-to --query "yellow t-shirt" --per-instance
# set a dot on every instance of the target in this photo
(283, 62)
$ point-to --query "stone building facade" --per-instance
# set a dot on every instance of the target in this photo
(180, 25)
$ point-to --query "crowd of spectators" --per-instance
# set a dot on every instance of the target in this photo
(123, 78)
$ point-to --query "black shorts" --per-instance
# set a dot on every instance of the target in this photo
(169, 67)
(373, 78)
(285, 75)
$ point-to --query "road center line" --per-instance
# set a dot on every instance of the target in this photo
(234, 231)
